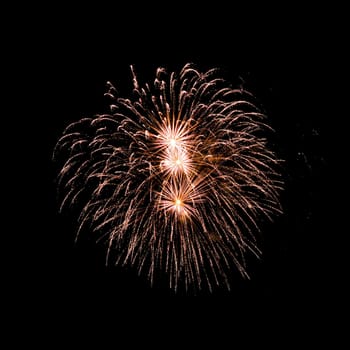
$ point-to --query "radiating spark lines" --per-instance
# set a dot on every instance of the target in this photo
(177, 178)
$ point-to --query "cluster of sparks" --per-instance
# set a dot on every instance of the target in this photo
(177, 178)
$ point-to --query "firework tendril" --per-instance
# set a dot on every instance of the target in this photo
(176, 179)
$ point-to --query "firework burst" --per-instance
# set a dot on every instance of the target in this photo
(176, 179)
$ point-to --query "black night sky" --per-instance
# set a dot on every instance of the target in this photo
(70, 76)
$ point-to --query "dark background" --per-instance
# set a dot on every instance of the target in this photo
(64, 68)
